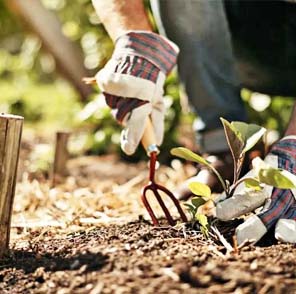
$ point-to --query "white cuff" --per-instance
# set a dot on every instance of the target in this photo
(285, 230)
(251, 230)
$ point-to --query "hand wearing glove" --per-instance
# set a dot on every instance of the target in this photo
(279, 210)
(132, 83)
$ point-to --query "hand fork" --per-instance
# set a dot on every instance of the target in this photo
(148, 142)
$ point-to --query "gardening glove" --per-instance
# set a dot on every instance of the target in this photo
(280, 204)
(132, 83)
(285, 230)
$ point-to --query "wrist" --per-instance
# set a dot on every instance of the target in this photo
(120, 16)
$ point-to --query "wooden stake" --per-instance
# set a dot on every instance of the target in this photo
(10, 138)
(61, 156)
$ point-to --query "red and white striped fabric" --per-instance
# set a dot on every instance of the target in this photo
(132, 83)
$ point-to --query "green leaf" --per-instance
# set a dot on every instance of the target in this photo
(234, 139)
(205, 231)
(190, 206)
(200, 189)
(191, 209)
(189, 155)
(278, 178)
(250, 134)
(253, 184)
(202, 219)
(197, 202)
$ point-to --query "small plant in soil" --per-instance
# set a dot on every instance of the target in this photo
(241, 137)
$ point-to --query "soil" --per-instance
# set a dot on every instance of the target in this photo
(140, 258)
(90, 234)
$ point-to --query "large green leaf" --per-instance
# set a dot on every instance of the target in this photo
(200, 189)
(187, 154)
(234, 139)
(250, 133)
(278, 178)
(253, 184)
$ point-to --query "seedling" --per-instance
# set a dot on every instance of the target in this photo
(204, 195)
(241, 137)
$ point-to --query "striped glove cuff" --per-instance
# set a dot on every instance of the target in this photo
(283, 201)
(155, 48)
(286, 152)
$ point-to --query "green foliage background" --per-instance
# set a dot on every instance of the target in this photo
(31, 86)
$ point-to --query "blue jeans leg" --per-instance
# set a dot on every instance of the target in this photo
(206, 62)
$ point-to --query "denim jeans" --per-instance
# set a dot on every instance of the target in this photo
(206, 67)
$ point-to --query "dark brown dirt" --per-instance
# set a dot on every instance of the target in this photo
(80, 255)
(140, 258)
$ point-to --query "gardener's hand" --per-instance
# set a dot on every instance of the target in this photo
(132, 83)
(279, 210)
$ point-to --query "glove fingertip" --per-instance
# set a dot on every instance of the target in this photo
(252, 230)
(128, 144)
(285, 230)
(128, 149)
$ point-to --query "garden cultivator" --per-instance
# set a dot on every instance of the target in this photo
(148, 142)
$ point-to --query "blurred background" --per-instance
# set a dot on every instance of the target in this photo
(47, 46)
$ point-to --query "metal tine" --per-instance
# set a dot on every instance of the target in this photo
(175, 201)
(148, 206)
(155, 188)
(163, 206)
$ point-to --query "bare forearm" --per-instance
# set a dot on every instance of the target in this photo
(119, 16)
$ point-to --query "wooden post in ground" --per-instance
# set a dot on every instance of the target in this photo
(10, 138)
(60, 157)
